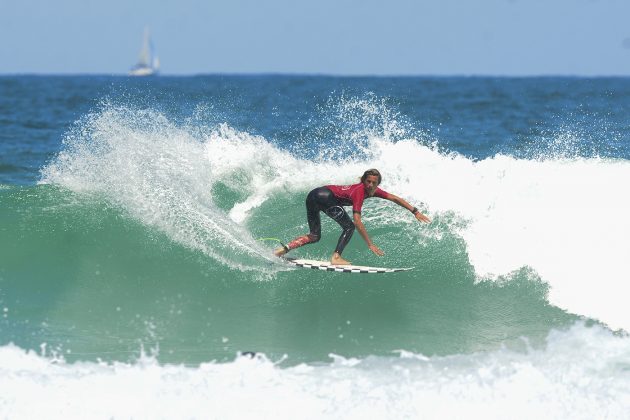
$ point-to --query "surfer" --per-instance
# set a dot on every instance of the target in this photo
(330, 199)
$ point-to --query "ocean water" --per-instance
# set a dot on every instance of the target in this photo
(133, 283)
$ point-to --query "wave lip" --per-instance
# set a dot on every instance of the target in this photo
(159, 174)
(564, 218)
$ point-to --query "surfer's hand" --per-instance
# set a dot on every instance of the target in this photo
(422, 218)
(376, 250)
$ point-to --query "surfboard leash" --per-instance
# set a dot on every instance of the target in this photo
(286, 248)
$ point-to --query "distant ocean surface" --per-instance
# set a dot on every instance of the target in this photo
(133, 282)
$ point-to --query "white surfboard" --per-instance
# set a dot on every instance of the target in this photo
(327, 266)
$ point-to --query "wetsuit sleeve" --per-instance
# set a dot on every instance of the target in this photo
(357, 196)
(381, 193)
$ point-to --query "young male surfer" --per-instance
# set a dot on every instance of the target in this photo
(330, 199)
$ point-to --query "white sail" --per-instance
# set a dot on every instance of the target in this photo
(148, 63)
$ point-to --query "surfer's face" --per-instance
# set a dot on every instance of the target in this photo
(370, 184)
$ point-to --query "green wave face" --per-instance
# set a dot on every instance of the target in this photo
(92, 281)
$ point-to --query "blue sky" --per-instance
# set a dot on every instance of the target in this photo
(345, 37)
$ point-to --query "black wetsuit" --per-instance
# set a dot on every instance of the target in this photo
(323, 199)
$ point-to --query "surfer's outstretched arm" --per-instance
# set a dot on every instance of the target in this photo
(403, 203)
(359, 225)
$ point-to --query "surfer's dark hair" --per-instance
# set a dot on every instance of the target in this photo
(373, 172)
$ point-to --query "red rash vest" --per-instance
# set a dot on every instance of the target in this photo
(353, 195)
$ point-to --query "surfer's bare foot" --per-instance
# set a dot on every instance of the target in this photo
(337, 260)
(279, 252)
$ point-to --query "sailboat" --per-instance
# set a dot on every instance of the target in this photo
(148, 62)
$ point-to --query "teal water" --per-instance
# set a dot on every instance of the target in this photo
(102, 284)
(131, 265)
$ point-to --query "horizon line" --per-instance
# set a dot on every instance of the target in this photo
(319, 74)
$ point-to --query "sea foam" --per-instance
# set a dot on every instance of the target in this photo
(581, 373)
